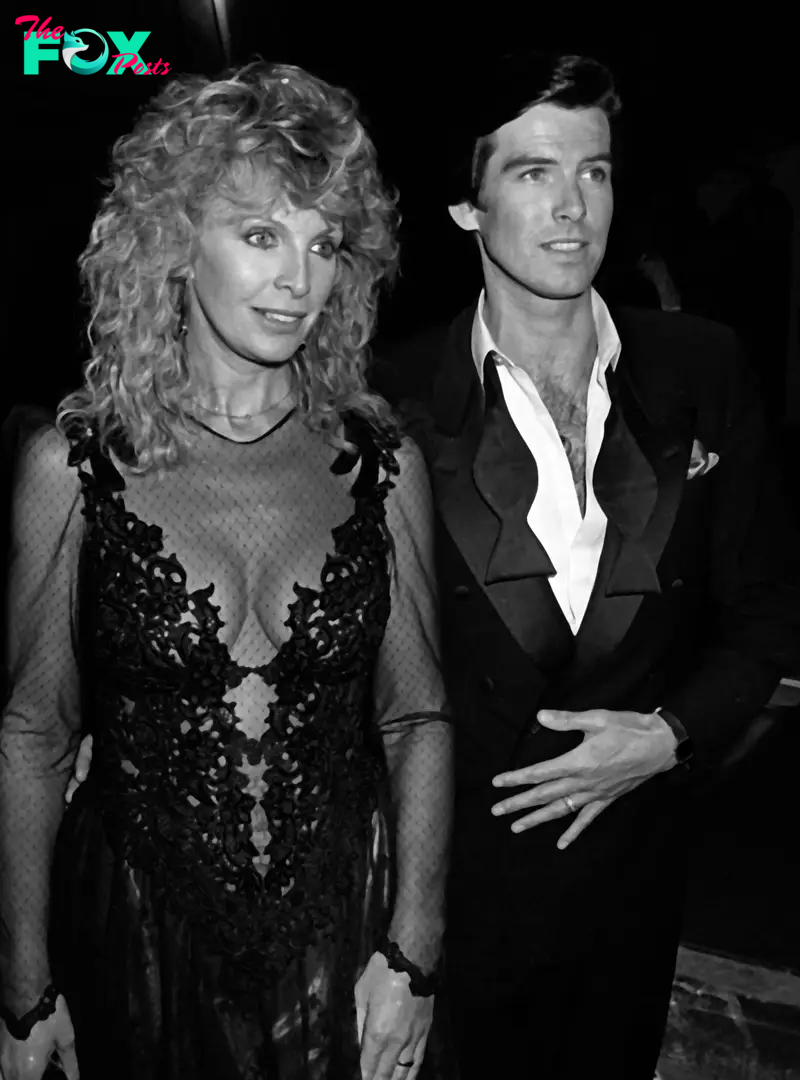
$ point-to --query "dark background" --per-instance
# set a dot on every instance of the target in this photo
(693, 97)
(696, 97)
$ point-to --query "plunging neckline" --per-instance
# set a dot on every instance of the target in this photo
(198, 602)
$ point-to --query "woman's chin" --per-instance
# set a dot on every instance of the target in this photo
(276, 353)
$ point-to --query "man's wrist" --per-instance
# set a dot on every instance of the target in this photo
(684, 748)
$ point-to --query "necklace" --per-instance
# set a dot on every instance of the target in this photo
(243, 416)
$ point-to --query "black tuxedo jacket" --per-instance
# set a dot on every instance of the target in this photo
(695, 608)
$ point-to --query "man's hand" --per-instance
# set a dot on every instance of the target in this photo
(81, 768)
(620, 750)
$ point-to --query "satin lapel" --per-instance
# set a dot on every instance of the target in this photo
(484, 480)
(644, 514)
(638, 482)
(507, 478)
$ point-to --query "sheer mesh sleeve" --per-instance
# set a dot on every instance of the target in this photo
(41, 712)
(412, 712)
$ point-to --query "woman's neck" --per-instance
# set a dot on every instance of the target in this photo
(235, 388)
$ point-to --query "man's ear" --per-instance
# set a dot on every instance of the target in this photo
(466, 216)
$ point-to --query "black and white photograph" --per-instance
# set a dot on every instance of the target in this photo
(400, 442)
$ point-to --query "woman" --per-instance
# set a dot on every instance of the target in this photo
(226, 536)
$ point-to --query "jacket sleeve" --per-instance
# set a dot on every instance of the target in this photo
(754, 585)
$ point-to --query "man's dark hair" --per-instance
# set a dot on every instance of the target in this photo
(514, 84)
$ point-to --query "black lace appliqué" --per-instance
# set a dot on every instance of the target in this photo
(167, 753)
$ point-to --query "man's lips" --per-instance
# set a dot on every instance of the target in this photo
(564, 244)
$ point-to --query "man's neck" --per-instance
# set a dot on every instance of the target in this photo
(551, 340)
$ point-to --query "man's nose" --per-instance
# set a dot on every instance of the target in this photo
(570, 205)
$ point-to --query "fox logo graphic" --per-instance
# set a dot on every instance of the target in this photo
(72, 44)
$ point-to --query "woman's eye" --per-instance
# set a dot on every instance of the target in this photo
(260, 237)
(327, 248)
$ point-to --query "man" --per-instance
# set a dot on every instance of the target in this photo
(611, 578)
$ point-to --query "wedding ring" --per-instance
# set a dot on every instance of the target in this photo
(570, 804)
(404, 1064)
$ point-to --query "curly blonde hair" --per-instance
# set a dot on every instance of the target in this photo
(196, 140)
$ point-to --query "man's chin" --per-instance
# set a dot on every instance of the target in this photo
(566, 287)
(567, 294)
(563, 292)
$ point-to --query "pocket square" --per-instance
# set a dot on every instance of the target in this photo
(701, 461)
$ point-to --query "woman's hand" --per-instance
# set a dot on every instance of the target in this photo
(393, 1024)
(81, 768)
(50, 1039)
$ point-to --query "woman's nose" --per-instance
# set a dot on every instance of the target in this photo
(294, 274)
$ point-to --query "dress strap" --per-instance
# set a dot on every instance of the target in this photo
(375, 448)
(106, 473)
(85, 448)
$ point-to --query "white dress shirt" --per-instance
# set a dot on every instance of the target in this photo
(573, 542)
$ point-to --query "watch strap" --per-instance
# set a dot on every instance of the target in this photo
(684, 750)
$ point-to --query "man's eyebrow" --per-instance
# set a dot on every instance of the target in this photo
(520, 160)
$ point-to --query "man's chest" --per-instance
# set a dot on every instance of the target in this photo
(568, 411)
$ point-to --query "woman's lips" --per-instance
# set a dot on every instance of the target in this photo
(283, 322)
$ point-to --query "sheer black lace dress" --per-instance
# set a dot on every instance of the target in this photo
(247, 636)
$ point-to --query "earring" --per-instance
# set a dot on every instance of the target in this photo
(183, 318)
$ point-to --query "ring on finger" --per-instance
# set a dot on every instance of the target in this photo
(570, 804)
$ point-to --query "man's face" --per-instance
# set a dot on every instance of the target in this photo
(546, 202)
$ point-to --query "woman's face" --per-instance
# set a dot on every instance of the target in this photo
(260, 280)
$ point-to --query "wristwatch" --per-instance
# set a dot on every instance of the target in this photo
(684, 750)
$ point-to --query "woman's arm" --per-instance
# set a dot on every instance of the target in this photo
(413, 716)
(41, 715)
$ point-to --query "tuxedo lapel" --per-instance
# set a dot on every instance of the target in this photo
(638, 481)
(626, 487)
(507, 477)
(485, 480)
